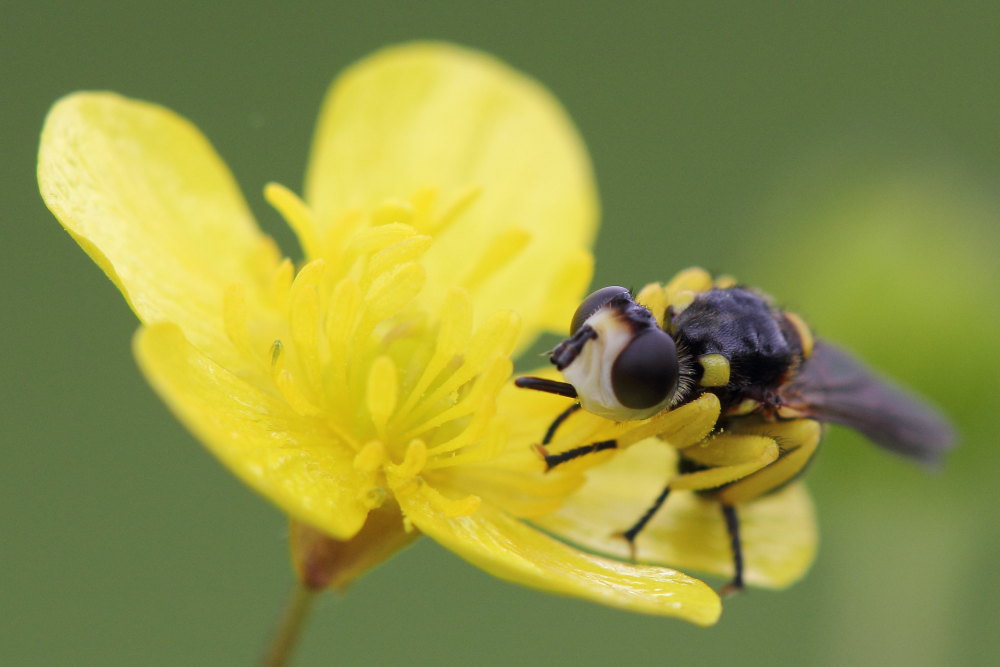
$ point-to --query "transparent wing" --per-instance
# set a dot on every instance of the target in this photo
(833, 386)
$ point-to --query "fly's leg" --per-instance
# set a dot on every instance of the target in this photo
(733, 528)
(718, 461)
(798, 439)
(552, 460)
(557, 422)
(687, 424)
(633, 532)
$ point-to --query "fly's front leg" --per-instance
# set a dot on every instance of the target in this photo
(552, 460)
(557, 422)
(687, 424)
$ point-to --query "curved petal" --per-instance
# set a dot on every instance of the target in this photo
(778, 531)
(151, 202)
(509, 549)
(430, 115)
(291, 460)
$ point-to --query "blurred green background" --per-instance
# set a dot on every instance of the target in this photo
(845, 158)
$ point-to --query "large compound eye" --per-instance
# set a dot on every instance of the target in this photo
(593, 302)
(646, 371)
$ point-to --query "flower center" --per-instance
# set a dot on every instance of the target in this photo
(348, 341)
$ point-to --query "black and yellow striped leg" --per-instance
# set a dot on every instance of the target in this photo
(733, 528)
(718, 460)
(552, 460)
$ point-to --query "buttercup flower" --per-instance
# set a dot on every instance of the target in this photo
(445, 222)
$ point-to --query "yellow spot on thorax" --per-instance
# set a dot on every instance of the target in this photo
(715, 369)
(804, 332)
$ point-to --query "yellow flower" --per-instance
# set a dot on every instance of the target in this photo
(447, 212)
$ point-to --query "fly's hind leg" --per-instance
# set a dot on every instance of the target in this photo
(798, 441)
(733, 529)
(715, 461)
(633, 532)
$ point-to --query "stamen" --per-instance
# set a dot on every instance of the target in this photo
(653, 297)
(286, 384)
(454, 211)
(382, 392)
(453, 335)
(502, 248)
(481, 418)
(298, 215)
(372, 239)
(395, 289)
(293, 394)
(281, 283)
(342, 317)
(304, 320)
(235, 319)
(414, 461)
(423, 207)
(398, 253)
(371, 457)
(452, 508)
(689, 280)
(487, 383)
(487, 449)
(494, 338)
(392, 210)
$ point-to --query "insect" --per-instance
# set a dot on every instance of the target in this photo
(630, 358)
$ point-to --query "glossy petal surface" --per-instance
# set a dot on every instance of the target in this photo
(292, 460)
(148, 198)
(509, 549)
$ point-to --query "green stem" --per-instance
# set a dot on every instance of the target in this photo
(292, 622)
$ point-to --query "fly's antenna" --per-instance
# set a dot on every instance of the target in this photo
(548, 386)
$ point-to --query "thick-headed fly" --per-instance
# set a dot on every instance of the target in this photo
(626, 361)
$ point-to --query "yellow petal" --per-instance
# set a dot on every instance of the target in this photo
(291, 460)
(430, 115)
(151, 202)
(778, 530)
(509, 549)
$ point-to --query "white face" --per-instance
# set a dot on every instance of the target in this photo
(590, 371)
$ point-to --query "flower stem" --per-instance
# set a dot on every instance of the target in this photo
(292, 622)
